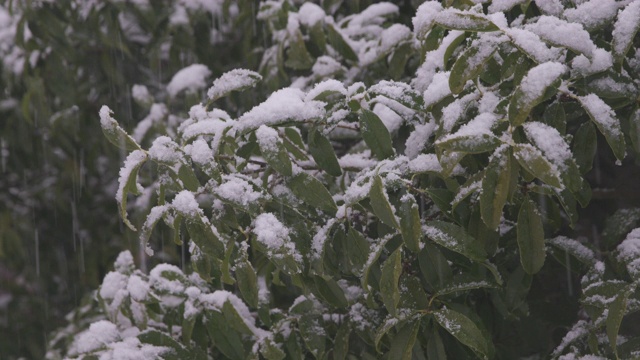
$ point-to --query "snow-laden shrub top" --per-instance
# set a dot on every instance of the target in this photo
(407, 183)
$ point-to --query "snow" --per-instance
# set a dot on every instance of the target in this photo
(329, 85)
(106, 121)
(438, 89)
(310, 14)
(236, 79)
(601, 61)
(124, 263)
(217, 299)
(283, 105)
(164, 150)
(268, 139)
(141, 94)
(531, 44)
(134, 159)
(391, 120)
(434, 61)
(157, 113)
(321, 236)
(271, 233)
(550, 142)
(237, 191)
(628, 252)
(425, 163)
(579, 329)
(111, 284)
(459, 19)
(593, 14)
(480, 125)
(454, 111)
(191, 79)
(503, 5)
(550, 7)
(561, 33)
(358, 161)
(326, 66)
(425, 17)
(200, 152)
(186, 203)
(138, 288)
(538, 79)
(583, 252)
(418, 139)
(626, 27)
(100, 334)
(390, 37)
(159, 279)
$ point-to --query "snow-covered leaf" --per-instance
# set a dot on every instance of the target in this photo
(535, 163)
(234, 80)
(114, 133)
(470, 64)
(273, 150)
(128, 182)
(625, 30)
(606, 121)
(464, 20)
(313, 192)
(537, 86)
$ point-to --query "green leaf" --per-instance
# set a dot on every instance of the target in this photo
(128, 182)
(555, 117)
(188, 177)
(616, 311)
(341, 342)
(530, 237)
(273, 150)
(606, 121)
(330, 291)
(391, 270)
(375, 134)
(340, 45)
(114, 133)
(532, 91)
(380, 203)
(454, 238)
(322, 151)
(410, 226)
(470, 64)
(157, 338)
(223, 337)
(234, 319)
(234, 80)
(270, 350)
(495, 188)
(298, 57)
(357, 249)
(464, 330)
(313, 335)
(623, 34)
(634, 131)
(459, 20)
(310, 190)
(575, 248)
(435, 347)
(531, 159)
(247, 282)
(203, 236)
(399, 59)
(585, 145)
(402, 343)
(434, 267)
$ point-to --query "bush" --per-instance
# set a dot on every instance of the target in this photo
(398, 200)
